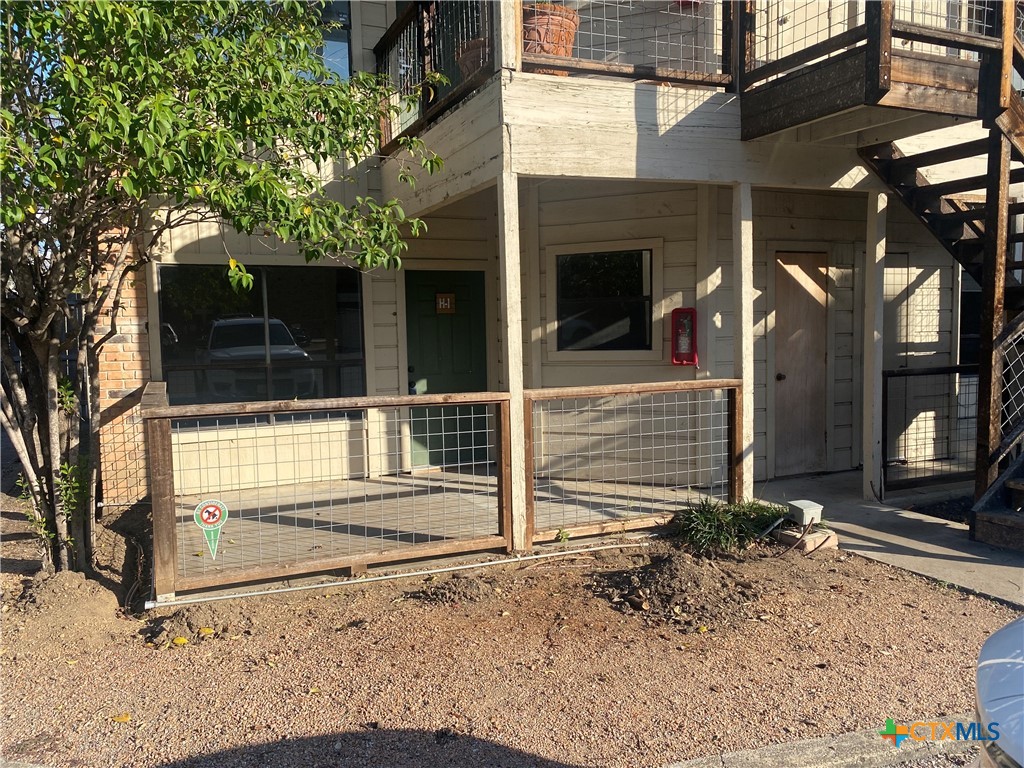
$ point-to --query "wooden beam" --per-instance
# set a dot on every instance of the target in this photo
(993, 287)
(161, 493)
(874, 302)
(878, 61)
(329, 404)
(229, 576)
(606, 390)
(509, 275)
(968, 184)
(938, 156)
(743, 330)
(950, 38)
(610, 526)
(633, 71)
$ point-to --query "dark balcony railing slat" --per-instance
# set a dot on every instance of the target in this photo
(966, 41)
(638, 71)
(807, 55)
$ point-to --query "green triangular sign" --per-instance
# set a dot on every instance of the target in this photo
(210, 516)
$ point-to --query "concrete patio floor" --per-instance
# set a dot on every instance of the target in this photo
(889, 533)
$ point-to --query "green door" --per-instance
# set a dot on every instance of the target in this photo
(447, 344)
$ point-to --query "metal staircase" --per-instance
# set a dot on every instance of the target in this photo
(972, 218)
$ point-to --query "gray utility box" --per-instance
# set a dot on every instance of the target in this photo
(804, 512)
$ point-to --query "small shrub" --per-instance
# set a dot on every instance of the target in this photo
(714, 527)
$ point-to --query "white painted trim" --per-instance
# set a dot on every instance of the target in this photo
(530, 243)
(874, 328)
(858, 352)
(708, 276)
(743, 321)
(656, 246)
(511, 294)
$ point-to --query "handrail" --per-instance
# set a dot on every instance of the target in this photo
(324, 404)
(896, 373)
(967, 41)
(610, 390)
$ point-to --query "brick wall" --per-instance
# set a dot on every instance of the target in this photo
(123, 372)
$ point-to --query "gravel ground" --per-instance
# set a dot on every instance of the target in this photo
(528, 664)
(943, 761)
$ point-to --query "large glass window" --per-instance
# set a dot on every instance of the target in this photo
(296, 334)
(604, 300)
(337, 50)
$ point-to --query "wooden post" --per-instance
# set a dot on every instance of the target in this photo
(512, 333)
(531, 504)
(735, 405)
(161, 493)
(503, 440)
(728, 44)
(878, 75)
(874, 301)
(743, 327)
(509, 23)
(993, 284)
(744, 43)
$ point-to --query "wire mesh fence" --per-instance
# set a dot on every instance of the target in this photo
(602, 458)
(311, 489)
(684, 36)
(929, 421)
(974, 16)
(782, 28)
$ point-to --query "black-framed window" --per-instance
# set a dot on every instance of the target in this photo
(337, 50)
(604, 300)
(296, 335)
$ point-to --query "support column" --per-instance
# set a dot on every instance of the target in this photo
(874, 299)
(743, 325)
(512, 334)
(993, 286)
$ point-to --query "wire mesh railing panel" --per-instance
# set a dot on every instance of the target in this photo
(783, 28)
(307, 487)
(608, 458)
(682, 36)
(930, 424)
(972, 16)
(447, 38)
(1011, 352)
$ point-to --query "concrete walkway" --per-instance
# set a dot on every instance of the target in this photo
(890, 534)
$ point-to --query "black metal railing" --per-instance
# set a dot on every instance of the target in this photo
(929, 425)
(452, 39)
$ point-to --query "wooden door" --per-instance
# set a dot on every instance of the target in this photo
(801, 322)
(447, 351)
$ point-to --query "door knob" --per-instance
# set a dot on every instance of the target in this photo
(780, 377)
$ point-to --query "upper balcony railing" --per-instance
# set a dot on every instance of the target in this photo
(685, 41)
(452, 39)
(778, 37)
(733, 45)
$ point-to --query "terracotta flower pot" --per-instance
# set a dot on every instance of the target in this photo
(549, 29)
(472, 55)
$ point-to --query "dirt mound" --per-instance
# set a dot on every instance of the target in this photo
(693, 594)
(460, 588)
(65, 607)
(197, 622)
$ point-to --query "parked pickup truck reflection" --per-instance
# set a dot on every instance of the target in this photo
(241, 340)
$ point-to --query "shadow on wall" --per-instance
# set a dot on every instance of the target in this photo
(391, 748)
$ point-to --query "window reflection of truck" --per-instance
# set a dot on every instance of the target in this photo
(239, 340)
